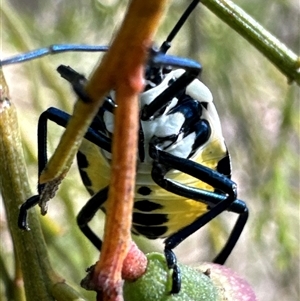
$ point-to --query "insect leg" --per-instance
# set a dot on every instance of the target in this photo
(164, 161)
(88, 212)
(158, 59)
(172, 265)
(175, 239)
(217, 203)
(22, 218)
(240, 208)
(61, 118)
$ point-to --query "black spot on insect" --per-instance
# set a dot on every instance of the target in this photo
(151, 232)
(83, 163)
(147, 206)
(204, 104)
(82, 160)
(149, 219)
(224, 166)
(144, 190)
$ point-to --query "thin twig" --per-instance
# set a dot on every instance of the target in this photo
(279, 54)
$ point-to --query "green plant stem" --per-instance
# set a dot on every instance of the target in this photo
(282, 57)
(18, 287)
(6, 280)
(30, 247)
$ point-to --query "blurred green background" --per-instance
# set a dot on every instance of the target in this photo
(259, 112)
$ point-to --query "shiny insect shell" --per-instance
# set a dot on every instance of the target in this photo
(157, 212)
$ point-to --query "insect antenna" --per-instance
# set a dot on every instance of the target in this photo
(52, 49)
(155, 74)
(167, 43)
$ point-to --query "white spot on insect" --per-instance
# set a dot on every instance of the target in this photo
(109, 121)
(197, 90)
(169, 125)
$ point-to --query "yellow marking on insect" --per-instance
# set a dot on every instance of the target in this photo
(172, 205)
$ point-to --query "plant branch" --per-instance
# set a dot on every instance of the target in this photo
(279, 54)
(30, 247)
(133, 43)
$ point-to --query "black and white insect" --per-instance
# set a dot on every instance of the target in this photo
(183, 175)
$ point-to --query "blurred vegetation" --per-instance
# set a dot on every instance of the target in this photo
(259, 112)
